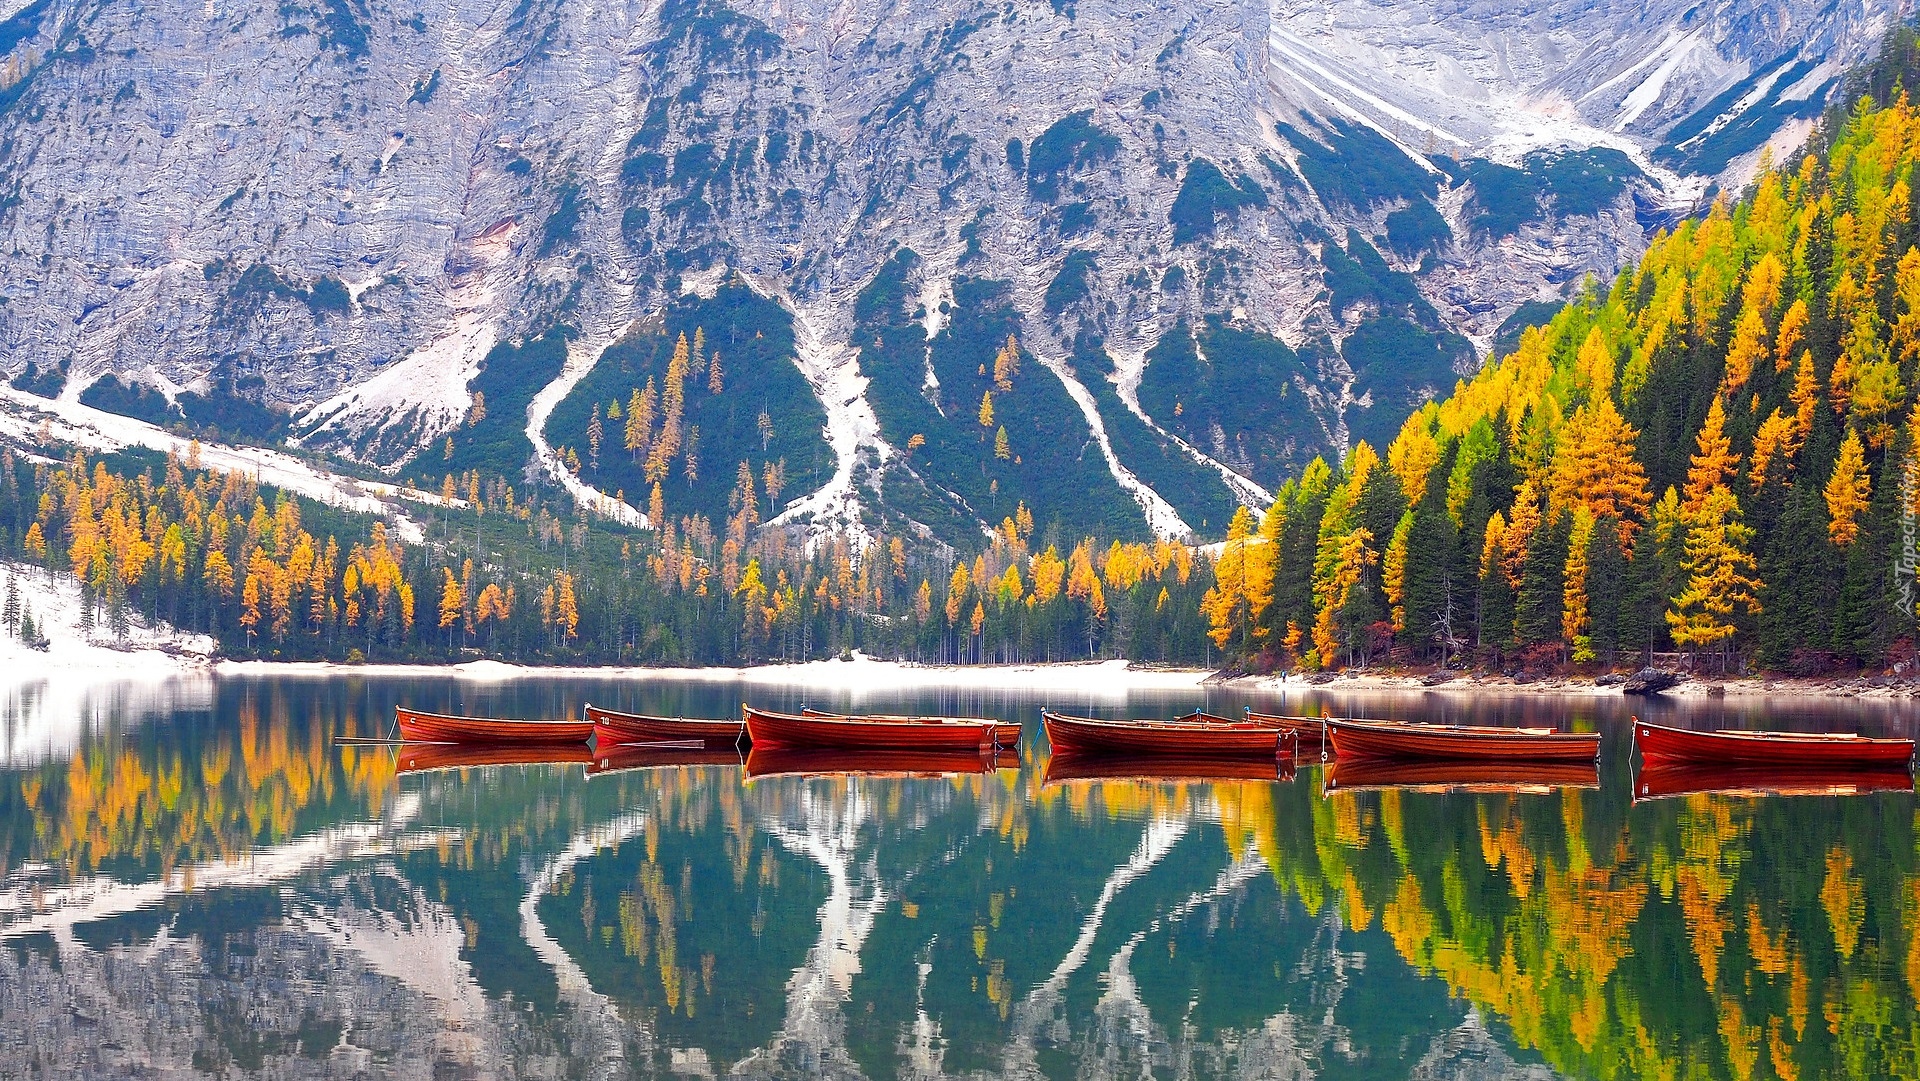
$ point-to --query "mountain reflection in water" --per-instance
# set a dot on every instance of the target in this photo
(197, 878)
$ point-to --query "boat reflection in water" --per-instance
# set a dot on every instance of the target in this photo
(639, 756)
(1067, 766)
(1458, 775)
(428, 757)
(831, 761)
(1659, 780)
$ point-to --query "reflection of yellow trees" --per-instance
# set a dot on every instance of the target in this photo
(171, 804)
(1532, 925)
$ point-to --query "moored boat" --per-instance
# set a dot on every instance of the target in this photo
(1658, 742)
(1411, 739)
(794, 730)
(1509, 776)
(1312, 727)
(1086, 735)
(1071, 766)
(1004, 733)
(426, 757)
(613, 728)
(774, 761)
(1659, 779)
(417, 726)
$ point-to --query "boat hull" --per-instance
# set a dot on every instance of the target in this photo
(767, 728)
(1660, 743)
(1395, 739)
(775, 761)
(1660, 779)
(612, 728)
(1004, 733)
(428, 757)
(419, 727)
(1085, 735)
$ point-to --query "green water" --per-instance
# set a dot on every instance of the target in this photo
(199, 877)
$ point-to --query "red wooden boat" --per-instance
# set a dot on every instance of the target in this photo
(1312, 727)
(419, 727)
(612, 728)
(426, 757)
(1660, 743)
(1068, 767)
(1459, 775)
(1659, 779)
(1005, 734)
(626, 757)
(793, 730)
(1409, 739)
(769, 761)
(1085, 735)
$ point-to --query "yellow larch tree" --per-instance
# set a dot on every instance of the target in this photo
(1243, 585)
(1720, 578)
(1594, 467)
(1713, 462)
(1847, 491)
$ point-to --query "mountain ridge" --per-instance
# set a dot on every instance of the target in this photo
(469, 184)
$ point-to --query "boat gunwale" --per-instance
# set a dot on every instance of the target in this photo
(1462, 731)
(1177, 724)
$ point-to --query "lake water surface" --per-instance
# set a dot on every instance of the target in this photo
(196, 878)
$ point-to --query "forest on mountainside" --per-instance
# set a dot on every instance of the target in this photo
(523, 576)
(1712, 454)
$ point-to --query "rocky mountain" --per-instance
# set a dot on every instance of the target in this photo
(1222, 236)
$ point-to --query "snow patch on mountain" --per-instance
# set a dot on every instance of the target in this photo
(1162, 519)
(1128, 367)
(428, 389)
(582, 355)
(832, 368)
(1676, 50)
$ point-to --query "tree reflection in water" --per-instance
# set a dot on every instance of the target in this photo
(222, 886)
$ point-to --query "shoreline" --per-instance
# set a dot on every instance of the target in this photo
(151, 660)
(860, 675)
(1692, 690)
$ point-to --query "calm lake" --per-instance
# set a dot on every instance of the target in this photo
(195, 877)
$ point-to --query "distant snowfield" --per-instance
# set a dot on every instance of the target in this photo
(23, 415)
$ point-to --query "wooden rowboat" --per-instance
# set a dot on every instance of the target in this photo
(419, 727)
(1459, 775)
(612, 728)
(1312, 727)
(1660, 743)
(426, 757)
(1659, 779)
(1409, 739)
(793, 730)
(641, 756)
(1067, 767)
(1005, 734)
(766, 761)
(1085, 735)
